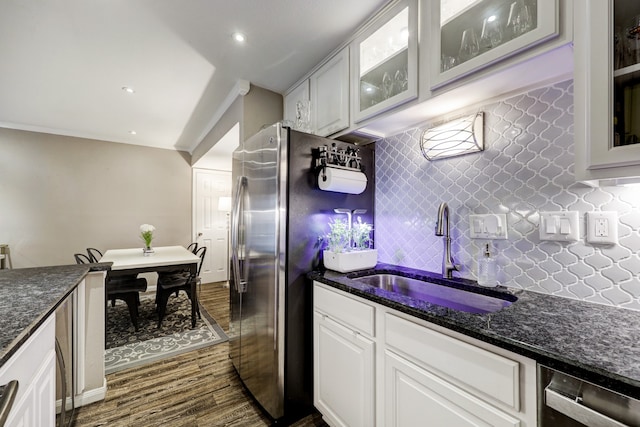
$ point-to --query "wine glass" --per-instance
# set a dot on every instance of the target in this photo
(520, 19)
(491, 35)
(401, 81)
(447, 62)
(469, 46)
(387, 85)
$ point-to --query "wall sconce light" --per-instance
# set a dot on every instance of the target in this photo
(454, 138)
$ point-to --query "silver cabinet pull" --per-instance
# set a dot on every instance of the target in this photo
(9, 395)
(573, 409)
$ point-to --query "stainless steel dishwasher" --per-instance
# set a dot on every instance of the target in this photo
(566, 401)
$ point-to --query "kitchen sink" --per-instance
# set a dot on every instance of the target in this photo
(463, 298)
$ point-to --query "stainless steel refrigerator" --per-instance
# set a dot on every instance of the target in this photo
(278, 215)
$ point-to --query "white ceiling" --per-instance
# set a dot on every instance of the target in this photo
(63, 63)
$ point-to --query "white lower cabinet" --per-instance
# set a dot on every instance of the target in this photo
(415, 372)
(413, 393)
(34, 367)
(343, 360)
(344, 365)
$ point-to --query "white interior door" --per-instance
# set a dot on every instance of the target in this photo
(212, 196)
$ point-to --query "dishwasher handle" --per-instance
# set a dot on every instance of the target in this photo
(9, 395)
(572, 408)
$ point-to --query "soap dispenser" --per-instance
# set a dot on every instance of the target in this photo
(487, 269)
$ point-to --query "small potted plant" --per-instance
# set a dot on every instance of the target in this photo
(361, 235)
(349, 248)
(339, 237)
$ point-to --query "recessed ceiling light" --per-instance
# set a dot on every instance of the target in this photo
(133, 132)
(128, 89)
(239, 37)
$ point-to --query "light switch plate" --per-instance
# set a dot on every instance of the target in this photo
(602, 227)
(563, 226)
(488, 226)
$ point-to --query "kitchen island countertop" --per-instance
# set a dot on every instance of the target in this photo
(29, 295)
(594, 342)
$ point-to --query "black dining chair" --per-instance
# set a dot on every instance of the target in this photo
(193, 248)
(82, 259)
(126, 288)
(94, 254)
(169, 283)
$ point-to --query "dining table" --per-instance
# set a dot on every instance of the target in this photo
(126, 262)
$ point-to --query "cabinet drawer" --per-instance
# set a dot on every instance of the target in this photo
(413, 393)
(348, 311)
(493, 376)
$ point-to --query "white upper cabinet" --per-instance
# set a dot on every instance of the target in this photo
(330, 95)
(409, 64)
(468, 35)
(384, 61)
(607, 91)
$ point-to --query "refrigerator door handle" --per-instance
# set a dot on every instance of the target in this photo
(238, 210)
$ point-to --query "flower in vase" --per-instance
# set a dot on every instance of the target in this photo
(146, 232)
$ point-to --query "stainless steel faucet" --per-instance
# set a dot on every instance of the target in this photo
(448, 265)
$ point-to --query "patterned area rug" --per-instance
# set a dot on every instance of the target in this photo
(126, 348)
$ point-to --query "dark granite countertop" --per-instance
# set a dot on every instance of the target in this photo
(29, 295)
(597, 343)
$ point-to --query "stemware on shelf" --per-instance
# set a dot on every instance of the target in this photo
(491, 35)
(520, 19)
(400, 81)
(469, 45)
(387, 85)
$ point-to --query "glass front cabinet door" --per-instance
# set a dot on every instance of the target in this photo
(468, 35)
(607, 90)
(385, 61)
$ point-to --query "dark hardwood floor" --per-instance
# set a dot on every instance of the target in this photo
(199, 388)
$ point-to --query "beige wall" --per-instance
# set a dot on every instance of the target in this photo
(59, 195)
(229, 119)
(258, 108)
(261, 108)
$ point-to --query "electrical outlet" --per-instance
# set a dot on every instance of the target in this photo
(602, 227)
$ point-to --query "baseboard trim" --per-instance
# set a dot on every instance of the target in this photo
(83, 399)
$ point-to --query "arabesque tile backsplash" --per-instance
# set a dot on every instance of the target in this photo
(527, 167)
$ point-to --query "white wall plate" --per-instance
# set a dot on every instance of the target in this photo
(559, 226)
(602, 227)
(488, 226)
